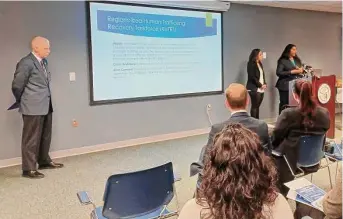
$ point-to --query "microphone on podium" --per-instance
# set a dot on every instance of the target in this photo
(308, 70)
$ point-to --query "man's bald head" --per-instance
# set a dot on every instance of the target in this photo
(40, 46)
(236, 96)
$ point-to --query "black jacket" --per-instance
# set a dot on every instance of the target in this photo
(283, 71)
(254, 76)
(289, 128)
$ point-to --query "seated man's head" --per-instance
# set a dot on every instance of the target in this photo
(236, 97)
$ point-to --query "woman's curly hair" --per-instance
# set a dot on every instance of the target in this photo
(238, 178)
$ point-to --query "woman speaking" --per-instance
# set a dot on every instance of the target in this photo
(256, 83)
(288, 69)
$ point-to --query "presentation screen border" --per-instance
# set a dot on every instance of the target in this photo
(93, 102)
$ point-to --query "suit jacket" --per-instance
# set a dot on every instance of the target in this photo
(254, 77)
(289, 128)
(283, 71)
(31, 86)
(255, 125)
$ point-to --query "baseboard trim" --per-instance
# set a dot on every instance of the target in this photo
(114, 145)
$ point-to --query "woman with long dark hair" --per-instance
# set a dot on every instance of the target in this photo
(289, 67)
(306, 119)
(238, 181)
(256, 84)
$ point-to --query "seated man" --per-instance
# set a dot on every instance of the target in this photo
(237, 102)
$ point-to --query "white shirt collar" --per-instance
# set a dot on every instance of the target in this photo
(238, 111)
(38, 58)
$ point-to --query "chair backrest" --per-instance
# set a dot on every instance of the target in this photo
(135, 194)
(310, 150)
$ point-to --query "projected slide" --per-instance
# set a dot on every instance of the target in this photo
(143, 52)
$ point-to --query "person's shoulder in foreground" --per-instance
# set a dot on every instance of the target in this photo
(332, 203)
(279, 210)
(237, 170)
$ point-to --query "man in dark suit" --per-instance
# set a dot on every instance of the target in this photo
(237, 102)
(31, 89)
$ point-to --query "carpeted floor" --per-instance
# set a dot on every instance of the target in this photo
(54, 197)
(338, 124)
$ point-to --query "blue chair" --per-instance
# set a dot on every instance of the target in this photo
(310, 153)
(141, 195)
(336, 155)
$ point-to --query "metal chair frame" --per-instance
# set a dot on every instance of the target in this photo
(302, 173)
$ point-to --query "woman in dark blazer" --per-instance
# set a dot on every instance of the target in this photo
(289, 67)
(306, 119)
(256, 83)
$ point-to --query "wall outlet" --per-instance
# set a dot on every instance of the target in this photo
(209, 107)
(72, 76)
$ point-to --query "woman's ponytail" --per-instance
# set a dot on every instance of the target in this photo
(303, 89)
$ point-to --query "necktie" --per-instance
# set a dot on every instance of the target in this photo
(44, 68)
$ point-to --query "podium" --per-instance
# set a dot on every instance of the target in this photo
(323, 90)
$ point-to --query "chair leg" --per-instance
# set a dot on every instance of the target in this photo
(311, 176)
(336, 170)
(330, 177)
(328, 166)
(163, 209)
(177, 200)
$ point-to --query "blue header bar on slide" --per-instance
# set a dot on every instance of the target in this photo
(152, 25)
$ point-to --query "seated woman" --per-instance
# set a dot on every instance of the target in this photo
(306, 119)
(238, 181)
